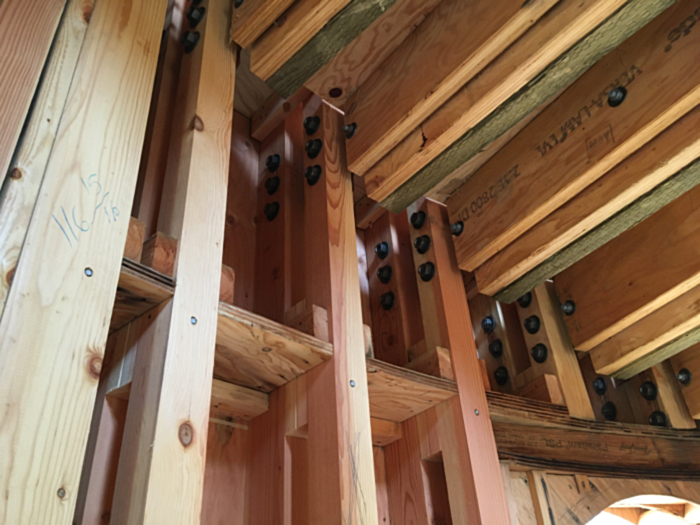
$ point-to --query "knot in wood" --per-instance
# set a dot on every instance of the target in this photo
(95, 366)
(198, 123)
(16, 174)
(186, 434)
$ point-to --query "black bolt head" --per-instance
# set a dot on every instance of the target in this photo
(418, 219)
(657, 419)
(569, 307)
(496, 348)
(313, 148)
(237, 3)
(648, 390)
(313, 174)
(190, 40)
(271, 210)
(422, 244)
(532, 324)
(272, 185)
(616, 96)
(273, 162)
(311, 125)
(426, 271)
(195, 15)
(382, 250)
(350, 130)
(600, 386)
(684, 376)
(384, 274)
(457, 228)
(387, 300)
(525, 300)
(488, 324)
(539, 353)
(501, 375)
(609, 411)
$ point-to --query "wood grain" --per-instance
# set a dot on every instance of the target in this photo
(273, 111)
(237, 402)
(70, 310)
(252, 18)
(690, 360)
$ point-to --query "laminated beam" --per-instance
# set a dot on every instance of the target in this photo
(168, 415)
(533, 257)
(639, 272)
(555, 158)
(68, 300)
(427, 69)
(603, 28)
(20, 189)
(251, 18)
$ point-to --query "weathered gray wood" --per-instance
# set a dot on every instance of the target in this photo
(628, 217)
(570, 66)
(326, 44)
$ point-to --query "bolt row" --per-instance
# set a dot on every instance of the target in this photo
(195, 14)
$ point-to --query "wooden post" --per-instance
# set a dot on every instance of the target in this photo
(341, 471)
(168, 416)
(49, 373)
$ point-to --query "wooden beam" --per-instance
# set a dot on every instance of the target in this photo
(537, 480)
(548, 78)
(603, 389)
(237, 402)
(274, 111)
(530, 259)
(530, 184)
(251, 18)
(412, 82)
(608, 299)
(690, 360)
(68, 302)
(545, 387)
(21, 188)
(385, 432)
(168, 416)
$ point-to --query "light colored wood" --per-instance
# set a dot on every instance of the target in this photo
(380, 477)
(530, 185)
(385, 432)
(273, 111)
(670, 396)
(412, 83)
(173, 370)
(359, 59)
(258, 353)
(690, 360)
(253, 17)
(302, 21)
(68, 309)
(364, 280)
(510, 494)
(341, 473)
(544, 388)
(435, 363)
(614, 393)
(654, 163)
(251, 92)
(312, 321)
(228, 283)
(237, 402)
(134, 239)
(627, 279)
(582, 483)
(159, 253)
(559, 29)
(20, 189)
(537, 480)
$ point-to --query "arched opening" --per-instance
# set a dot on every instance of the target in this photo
(649, 510)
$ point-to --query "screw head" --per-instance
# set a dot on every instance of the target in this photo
(426, 271)
(600, 386)
(532, 324)
(313, 148)
(272, 185)
(311, 125)
(488, 324)
(237, 3)
(609, 411)
(273, 162)
(418, 219)
(496, 348)
(525, 300)
(684, 376)
(539, 353)
(657, 419)
(384, 274)
(457, 228)
(271, 210)
(195, 15)
(193, 320)
(648, 391)
(501, 375)
(61, 493)
(88, 272)
(476, 411)
(190, 40)
(335, 92)
(382, 250)
(350, 130)
(352, 383)
(313, 174)
(422, 244)
(616, 96)
(387, 300)
(569, 307)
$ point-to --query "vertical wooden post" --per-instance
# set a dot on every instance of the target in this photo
(50, 371)
(341, 472)
(481, 496)
(168, 416)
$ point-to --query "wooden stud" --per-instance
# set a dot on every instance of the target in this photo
(382, 494)
(611, 24)
(21, 188)
(435, 363)
(537, 480)
(252, 18)
(512, 503)
(69, 300)
(412, 83)
(174, 368)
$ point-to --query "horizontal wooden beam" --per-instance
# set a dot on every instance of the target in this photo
(553, 78)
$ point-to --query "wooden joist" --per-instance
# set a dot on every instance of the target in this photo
(556, 157)
(561, 47)
(251, 18)
(412, 83)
